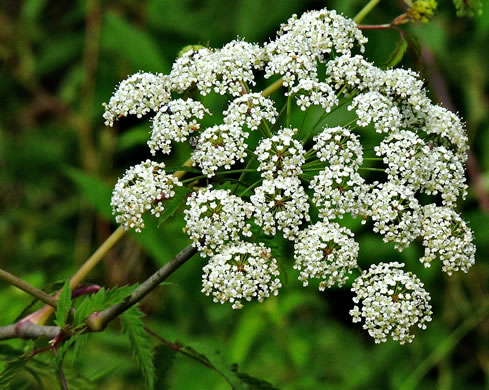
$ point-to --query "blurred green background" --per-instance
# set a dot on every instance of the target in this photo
(60, 60)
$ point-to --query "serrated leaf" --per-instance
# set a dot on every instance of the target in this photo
(217, 361)
(397, 55)
(10, 370)
(101, 300)
(133, 327)
(163, 358)
(64, 306)
(94, 190)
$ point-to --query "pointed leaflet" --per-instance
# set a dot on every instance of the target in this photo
(133, 327)
(101, 301)
(64, 306)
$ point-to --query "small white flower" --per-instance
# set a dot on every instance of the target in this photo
(396, 213)
(219, 146)
(250, 110)
(391, 301)
(141, 189)
(338, 146)
(281, 204)
(446, 236)
(215, 217)
(313, 93)
(138, 95)
(337, 192)
(280, 155)
(173, 123)
(303, 42)
(325, 251)
(377, 108)
(241, 272)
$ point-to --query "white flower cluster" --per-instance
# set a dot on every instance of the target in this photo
(325, 251)
(219, 70)
(172, 123)
(142, 188)
(138, 95)
(219, 146)
(338, 187)
(305, 41)
(392, 302)
(447, 236)
(215, 217)
(421, 156)
(280, 204)
(250, 110)
(395, 212)
(280, 155)
(313, 93)
(241, 271)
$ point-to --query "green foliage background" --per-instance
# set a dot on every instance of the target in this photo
(58, 163)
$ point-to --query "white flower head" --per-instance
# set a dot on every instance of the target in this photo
(446, 236)
(337, 192)
(138, 95)
(215, 217)
(280, 155)
(141, 189)
(173, 122)
(325, 251)
(241, 272)
(377, 108)
(338, 147)
(219, 146)
(392, 302)
(396, 213)
(310, 92)
(250, 110)
(303, 42)
(281, 204)
(219, 70)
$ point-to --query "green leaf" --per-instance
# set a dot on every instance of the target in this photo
(397, 54)
(64, 306)
(163, 358)
(133, 44)
(10, 370)
(101, 301)
(133, 327)
(94, 190)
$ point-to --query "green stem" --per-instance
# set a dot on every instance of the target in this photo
(98, 321)
(273, 87)
(26, 287)
(289, 109)
(365, 11)
(256, 183)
